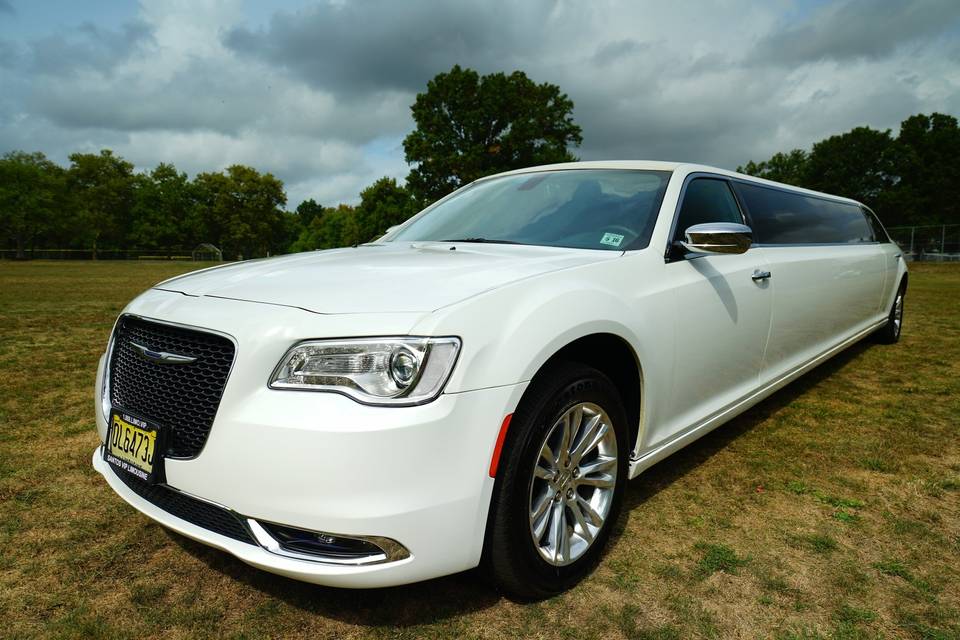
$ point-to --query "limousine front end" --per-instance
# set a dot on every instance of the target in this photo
(314, 486)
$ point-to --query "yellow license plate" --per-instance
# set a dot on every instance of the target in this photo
(132, 445)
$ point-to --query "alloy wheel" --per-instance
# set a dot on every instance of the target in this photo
(898, 313)
(573, 483)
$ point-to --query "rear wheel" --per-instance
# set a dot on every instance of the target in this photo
(559, 485)
(890, 332)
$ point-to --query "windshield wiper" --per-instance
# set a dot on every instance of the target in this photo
(482, 241)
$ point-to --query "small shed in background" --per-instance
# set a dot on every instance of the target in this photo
(206, 252)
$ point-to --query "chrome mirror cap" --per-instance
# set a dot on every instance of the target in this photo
(718, 238)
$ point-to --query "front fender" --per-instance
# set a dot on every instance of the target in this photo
(509, 333)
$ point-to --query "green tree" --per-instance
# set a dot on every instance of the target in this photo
(924, 156)
(101, 186)
(163, 202)
(285, 232)
(239, 210)
(856, 164)
(307, 211)
(468, 126)
(31, 194)
(336, 227)
(789, 168)
(382, 205)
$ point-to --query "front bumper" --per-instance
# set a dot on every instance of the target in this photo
(321, 462)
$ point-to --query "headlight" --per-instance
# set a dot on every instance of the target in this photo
(388, 371)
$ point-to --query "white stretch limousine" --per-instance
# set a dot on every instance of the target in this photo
(477, 386)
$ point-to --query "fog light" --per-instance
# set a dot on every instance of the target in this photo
(326, 547)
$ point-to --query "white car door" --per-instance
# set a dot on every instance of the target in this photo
(827, 272)
(722, 306)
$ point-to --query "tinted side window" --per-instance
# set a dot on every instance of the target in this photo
(706, 200)
(879, 233)
(781, 217)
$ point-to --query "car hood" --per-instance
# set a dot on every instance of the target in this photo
(381, 278)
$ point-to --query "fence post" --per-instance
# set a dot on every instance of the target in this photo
(912, 231)
(943, 242)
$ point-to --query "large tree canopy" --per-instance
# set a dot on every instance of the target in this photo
(239, 209)
(468, 126)
(911, 179)
(101, 187)
(788, 168)
(163, 208)
(30, 188)
(856, 163)
(927, 189)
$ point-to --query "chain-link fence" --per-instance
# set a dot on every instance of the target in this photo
(928, 243)
(204, 252)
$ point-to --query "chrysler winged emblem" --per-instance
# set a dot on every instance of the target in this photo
(160, 357)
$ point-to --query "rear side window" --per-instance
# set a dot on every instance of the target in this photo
(706, 200)
(781, 217)
(879, 233)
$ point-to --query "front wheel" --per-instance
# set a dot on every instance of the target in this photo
(890, 332)
(560, 483)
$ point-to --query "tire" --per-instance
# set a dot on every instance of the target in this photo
(890, 332)
(520, 564)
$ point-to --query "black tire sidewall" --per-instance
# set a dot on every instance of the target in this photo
(563, 388)
(890, 334)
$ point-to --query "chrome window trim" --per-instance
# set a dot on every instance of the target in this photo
(779, 245)
(676, 210)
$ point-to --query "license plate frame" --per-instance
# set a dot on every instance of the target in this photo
(138, 449)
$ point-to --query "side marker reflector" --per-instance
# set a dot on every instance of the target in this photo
(495, 461)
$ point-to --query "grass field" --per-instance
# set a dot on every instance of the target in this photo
(830, 510)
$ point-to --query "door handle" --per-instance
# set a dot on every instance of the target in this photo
(760, 275)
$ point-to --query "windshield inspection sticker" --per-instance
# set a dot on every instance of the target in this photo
(612, 239)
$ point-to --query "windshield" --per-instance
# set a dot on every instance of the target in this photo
(580, 208)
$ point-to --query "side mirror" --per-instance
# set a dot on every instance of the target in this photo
(718, 238)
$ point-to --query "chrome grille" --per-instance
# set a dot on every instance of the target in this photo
(182, 398)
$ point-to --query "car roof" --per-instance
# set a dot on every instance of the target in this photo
(656, 165)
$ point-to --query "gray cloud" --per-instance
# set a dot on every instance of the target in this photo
(375, 44)
(87, 47)
(617, 50)
(320, 96)
(9, 54)
(858, 29)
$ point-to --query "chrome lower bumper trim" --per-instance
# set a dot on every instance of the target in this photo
(389, 550)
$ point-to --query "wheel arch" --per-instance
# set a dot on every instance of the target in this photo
(616, 358)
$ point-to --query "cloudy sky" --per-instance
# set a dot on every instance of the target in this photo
(318, 93)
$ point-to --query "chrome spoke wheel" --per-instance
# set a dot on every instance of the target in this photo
(573, 483)
(898, 314)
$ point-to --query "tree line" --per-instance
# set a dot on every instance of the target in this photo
(912, 178)
(466, 126)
